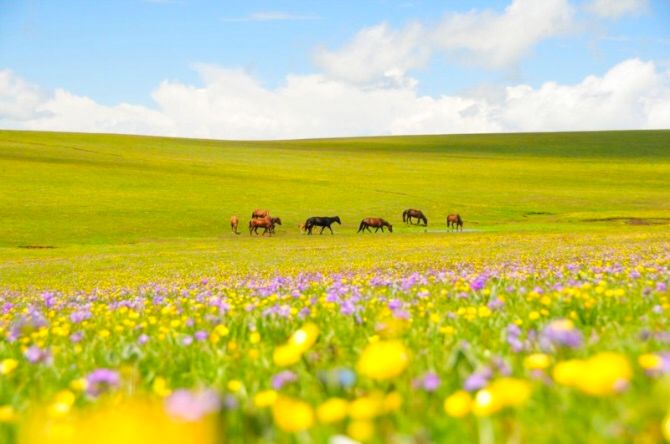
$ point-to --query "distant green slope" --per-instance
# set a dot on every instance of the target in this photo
(61, 189)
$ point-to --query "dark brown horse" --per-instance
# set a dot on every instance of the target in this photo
(376, 223)
(455, 222)
(266, 223)
(234, 222)
(275, 221)
(408, 215)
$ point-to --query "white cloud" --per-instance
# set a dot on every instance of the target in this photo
(272, 16)
(500, 40)
(18, 99)
(614, 9)
(377, 55)
(380, 54)
(230, 104)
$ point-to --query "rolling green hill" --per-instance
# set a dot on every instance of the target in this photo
(84, 194)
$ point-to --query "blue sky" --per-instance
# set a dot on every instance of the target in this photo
(121, 52)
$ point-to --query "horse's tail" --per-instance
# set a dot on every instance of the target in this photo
(404, 216)
(361, 226)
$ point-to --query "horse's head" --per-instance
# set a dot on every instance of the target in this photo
(276, 220)
(390, 227)
(337, 219)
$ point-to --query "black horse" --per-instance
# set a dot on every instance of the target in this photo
(323, 222)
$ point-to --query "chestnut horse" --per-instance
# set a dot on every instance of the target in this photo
(455, 222)
(376, 223)
(266, 223)
(407, 216)
(257, 214)
(234, 222)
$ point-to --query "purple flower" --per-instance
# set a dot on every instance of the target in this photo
(142, 339)
(102, 380)
(76, 337)
(200, 335)
(282, 378)
(36, 355)
(188, 340)
(561, 332)
(191, 406)
(428, 382)
(478, 283)
(477, 380)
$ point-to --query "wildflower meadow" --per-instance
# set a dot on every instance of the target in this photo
(130, 313)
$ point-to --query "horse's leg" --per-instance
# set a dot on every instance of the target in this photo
(321, 232)
(331, 230)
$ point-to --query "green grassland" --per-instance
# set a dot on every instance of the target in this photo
(119, 209)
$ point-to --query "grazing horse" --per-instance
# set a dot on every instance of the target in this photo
(455, 222)
(234, 222)
(257, 214)
(275, 221)
(407, 216)
(376, 223)
(265, 223)
(323, 222)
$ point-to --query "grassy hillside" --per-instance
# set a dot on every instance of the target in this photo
(87, 194)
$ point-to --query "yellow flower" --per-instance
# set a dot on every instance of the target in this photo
(392, 402)
(332, 410)
(62, 403)
(304, 337)
(367, 407)
(604, 374)
(79, 385)
(458, 404)
(568, 372)
(7, 366)
(255, 337)
(383, 359)
(265, 398)
(161, 388)
(665, 427)
(537, 361)
(510, 392)
(649, 361)
(285, 355)
(234, 385)
(7, 413)
(292, 415)
(486, 403)
(361, 430)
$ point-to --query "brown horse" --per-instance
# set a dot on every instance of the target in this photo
(407, 216)
(265, 223)
(257, 214)
(376, 223)
(455, 222)
(234, 222)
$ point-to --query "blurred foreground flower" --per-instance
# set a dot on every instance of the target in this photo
(299, 342)
(292, 415)
(126, 422)
(601, 375)
(383, 360)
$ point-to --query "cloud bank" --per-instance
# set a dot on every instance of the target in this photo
(230, 104)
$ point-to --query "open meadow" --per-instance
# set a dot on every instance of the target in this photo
(131, 312)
